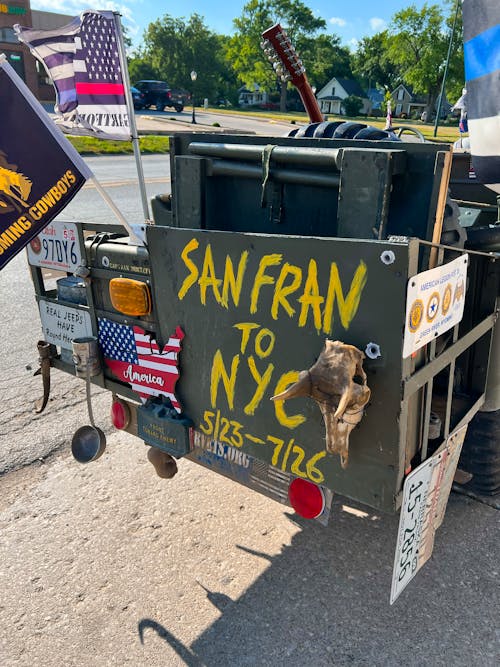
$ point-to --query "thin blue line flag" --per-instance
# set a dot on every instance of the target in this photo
(481, 20)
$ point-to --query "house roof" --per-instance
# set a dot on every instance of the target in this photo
(352, 87)
(375, 94)
(417, 99)
(376, 97)
(331, 98)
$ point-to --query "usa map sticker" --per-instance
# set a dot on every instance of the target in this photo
(434, 303)
(134, 357)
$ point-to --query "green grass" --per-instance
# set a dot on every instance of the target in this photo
(148, 144)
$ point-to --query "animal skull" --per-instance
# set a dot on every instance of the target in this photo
(330, 382)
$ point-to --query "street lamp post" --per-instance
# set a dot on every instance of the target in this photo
(194, 76)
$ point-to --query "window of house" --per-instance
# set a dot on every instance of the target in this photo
(401, 93)
(8, 36)
(333, 90)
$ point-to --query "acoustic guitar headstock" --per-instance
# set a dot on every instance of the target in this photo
(280, 51)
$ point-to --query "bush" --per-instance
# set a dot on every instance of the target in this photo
(352, 105)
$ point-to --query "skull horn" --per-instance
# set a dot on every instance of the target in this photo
(300, 388)
(343, 403)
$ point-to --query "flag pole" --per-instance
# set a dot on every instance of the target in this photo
(131, 115)
(445, 74)
(136, 232)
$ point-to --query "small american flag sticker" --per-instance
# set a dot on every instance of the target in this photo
(133, 356)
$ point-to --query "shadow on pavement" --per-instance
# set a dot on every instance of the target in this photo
(324, 600)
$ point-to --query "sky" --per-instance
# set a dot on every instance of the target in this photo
(350, 22)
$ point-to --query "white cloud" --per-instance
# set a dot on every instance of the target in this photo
(335, 20)
(353, 43)
(377, 24)
(75, 7)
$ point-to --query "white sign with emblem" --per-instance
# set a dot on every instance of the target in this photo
(56, 247)
(425, 496)
(61, 324)
(434, 303)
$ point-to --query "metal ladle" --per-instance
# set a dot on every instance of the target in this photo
(88, 442)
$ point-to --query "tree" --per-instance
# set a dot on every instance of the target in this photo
(324, 57)
(243, 50)
(174, 47)
(140, 67)
(372, 64)
(418, 45)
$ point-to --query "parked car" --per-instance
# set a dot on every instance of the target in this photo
(159, 95)
(138, 98)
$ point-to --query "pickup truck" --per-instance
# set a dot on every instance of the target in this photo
(159, 95)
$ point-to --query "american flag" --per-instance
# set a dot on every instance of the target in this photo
(83, 61)
(133, 356)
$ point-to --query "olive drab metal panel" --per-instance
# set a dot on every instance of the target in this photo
(314, 187)
(255, 310)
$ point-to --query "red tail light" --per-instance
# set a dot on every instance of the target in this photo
(306, 498)
(120, 414)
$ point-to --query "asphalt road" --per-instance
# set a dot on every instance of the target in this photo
(106, 564)
(227, 121)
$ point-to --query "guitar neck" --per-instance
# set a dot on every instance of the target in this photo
(309, 101)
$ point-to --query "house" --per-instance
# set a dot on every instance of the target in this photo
(252, 98)
(376, 97)
(330, 96)
(405, 101)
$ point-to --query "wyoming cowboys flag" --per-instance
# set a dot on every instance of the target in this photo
(40, 171)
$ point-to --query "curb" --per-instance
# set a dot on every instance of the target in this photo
(203, 128)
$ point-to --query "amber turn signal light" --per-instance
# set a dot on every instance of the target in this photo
(130, 297)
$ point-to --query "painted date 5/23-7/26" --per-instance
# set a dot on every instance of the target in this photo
(287, 454)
